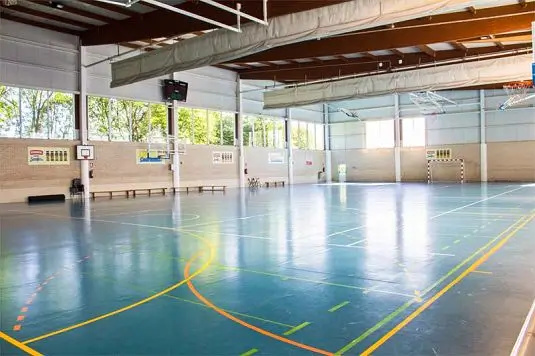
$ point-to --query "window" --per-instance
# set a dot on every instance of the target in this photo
(380, 134)
(126, 120)
(320, 137)
(248, 123)
(227, 129)
(214, 127)
(413, 132)
(200, 126)
(299, 135)
(35, 113)
(185, 125)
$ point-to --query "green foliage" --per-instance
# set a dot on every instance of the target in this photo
(126, 120)
(41, 113)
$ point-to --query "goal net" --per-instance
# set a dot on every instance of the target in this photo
(445, 170)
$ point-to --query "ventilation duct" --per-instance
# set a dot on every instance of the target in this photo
(222, 45)
(453, 76)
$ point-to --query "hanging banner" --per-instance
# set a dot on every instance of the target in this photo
(49, 156)
(144, 156)
(222, 157)
(276, 158)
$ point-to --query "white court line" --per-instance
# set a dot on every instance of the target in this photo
(225, 221)
(526, 335)
(434, 216)
(442, 254)
(356, 242)
(228, 234)
(348, 230)
(336, 245)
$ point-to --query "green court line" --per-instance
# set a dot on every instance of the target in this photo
(456, 241)
(445, 248)
(336, 307)
(250, 352)
(297, 328)
(402, 308)
(205, 306)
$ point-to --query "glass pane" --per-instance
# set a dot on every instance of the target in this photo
(34, 112)
(137, 119)
(120, 125)
(227, 124)
(320, 137)
(200, 127)
(248, 131)
(9, 112)
(214, 127)
(158, 123)
(185, 125)
(413, 132)
(380, 134)
(61, 116)
(259, 132)
(280, 140)
(99, 115)
(295, 134)
(311, 133)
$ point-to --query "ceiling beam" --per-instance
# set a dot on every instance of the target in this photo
(164, 23)
(75, 11)
(49, 16)
(459, 46)
(441, 28)
(427, 50)
(337, 68)
(113, 8)
(38, 24)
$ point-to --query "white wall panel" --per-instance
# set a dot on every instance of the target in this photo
(211, 88)
(38, 58)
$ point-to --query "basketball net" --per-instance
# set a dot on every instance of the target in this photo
(517, 92)
(430, 103)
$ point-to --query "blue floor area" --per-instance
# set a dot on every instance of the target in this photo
(388, 269)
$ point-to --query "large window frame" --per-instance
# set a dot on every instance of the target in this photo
(413, 132)
(380, 134)
(36, 114)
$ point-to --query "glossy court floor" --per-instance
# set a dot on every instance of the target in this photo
(387, 269)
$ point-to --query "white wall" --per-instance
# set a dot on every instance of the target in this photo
(459, 125)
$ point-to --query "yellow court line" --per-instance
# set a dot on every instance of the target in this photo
(143, 301)
(19, 345)
(440, 293)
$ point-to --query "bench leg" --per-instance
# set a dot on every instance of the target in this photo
(163, 191)
(93, 196)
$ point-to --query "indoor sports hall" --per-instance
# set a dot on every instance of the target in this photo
(267, 177)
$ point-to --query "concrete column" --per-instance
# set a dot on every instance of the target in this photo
(239, 134)
(83, 133)
(397, 138)
(483, 136)
(327, 140)
(289, 146)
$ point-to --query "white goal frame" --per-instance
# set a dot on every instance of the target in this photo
(452, 160)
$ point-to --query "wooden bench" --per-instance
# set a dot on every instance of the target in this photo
(213, 188)
(148, 191)
(275, 183)
(126, 192)
(163, 191)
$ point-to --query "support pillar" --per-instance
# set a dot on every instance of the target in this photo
(82, 116)
(239, 134)
(483, 136)
(327, 144)
(289, 146)
(397, 140)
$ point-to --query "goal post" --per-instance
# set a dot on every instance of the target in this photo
(458, 163)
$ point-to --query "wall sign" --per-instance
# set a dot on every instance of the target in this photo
(144, 156)
(222, 157)
(49, 156)
(276, 158)
(440, 153)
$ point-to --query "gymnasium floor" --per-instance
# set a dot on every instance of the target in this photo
(391, 269)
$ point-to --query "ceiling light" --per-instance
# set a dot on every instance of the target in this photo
(380, 64)
(400, 61)
(55, 5)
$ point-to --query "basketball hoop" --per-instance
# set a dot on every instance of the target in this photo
(518, 92)
(429, 102)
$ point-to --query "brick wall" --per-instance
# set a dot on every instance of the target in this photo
(18, 180)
